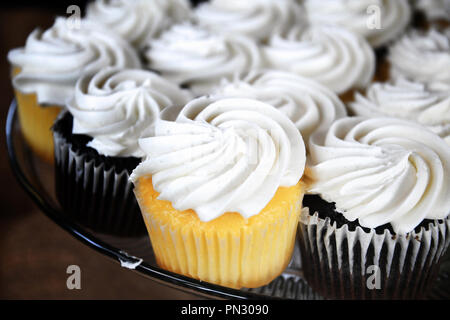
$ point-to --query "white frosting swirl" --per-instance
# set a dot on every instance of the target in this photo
(258, 19)
(115, 106)
(382, 170)
(138, 21)
(52, 61)
(423, 57)
(434, 9)
(190, 55)
(408, 100)
(379, 21)
(307, 103)
(224, 155)
(331, 55)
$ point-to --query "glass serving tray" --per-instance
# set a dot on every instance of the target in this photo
(136, 254)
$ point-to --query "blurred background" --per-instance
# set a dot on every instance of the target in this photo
(34, 251)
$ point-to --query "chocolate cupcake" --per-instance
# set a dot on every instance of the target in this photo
(377, 221)
(96, 145)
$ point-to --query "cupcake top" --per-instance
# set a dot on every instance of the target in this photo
(223, 155)
(307, 103)
(434, 9)
(114, 106)
(362, 16)
(190, 55)
(423, 57)
(408, 100)
(382, 170)
(332, 55)
(258, 19)
(52, 61)
(138, 21)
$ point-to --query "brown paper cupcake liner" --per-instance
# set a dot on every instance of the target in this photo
(343, 264)
(93, 194)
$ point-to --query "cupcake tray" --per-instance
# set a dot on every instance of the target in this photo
(37, 179)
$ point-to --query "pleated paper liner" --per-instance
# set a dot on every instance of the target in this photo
(228, 250)
(94, 193)
(342, 264)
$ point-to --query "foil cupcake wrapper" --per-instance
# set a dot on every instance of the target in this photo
(95, 197)
(342, 264)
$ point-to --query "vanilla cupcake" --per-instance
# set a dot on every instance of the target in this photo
(422, 57)
(199, 59)
(311, 106)
(220, 191)
(408, 100)
(96, 145)
(257, 19)
(138, 21)
(333, 56)
(46, 69)
(379, 21)
(377, 221)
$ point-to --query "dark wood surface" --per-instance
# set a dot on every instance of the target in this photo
(35, 252)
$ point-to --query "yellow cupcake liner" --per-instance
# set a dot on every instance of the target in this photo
(36, 122)
(230, 251)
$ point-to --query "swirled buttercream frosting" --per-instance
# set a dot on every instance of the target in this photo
(223, 155)
(409, 100)
(258, 19)
(423, 57)
(138, 21)
(382, 170)
(337, 58)
(310, 105)
(52, 61)
(115, 106)
(190, 55)
(379, 21)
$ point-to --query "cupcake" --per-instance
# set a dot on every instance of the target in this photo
(307, 103)
(408, 100)
(333, 56)
(257, 19)
(96, 145)
(199, 59)
(46, 69)
(376, 223)
(423, 57)
(138, 21)
(379, 21)
(220, 191)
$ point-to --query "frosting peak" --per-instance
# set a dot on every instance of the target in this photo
(223, 155)
(382, 170)
(257, 19)
(190, 55)
(333, 56)
(138, 21)
(409, 100)
(359, 15)
(115, 106)
(308, 104)
(423, 57)
(52, 61)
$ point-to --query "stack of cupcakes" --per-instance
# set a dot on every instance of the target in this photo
(211, 126)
